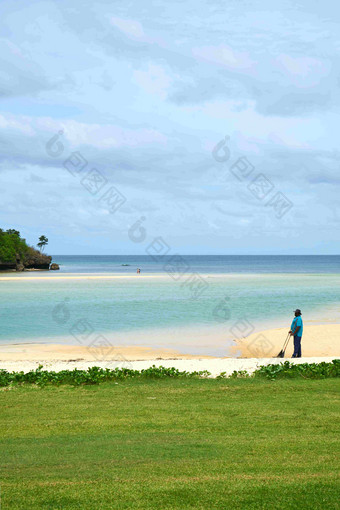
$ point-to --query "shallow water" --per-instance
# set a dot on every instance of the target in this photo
(42, 309)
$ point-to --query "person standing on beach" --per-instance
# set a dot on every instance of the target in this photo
(296, 329)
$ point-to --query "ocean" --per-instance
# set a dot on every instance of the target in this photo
(204, 264)
(194, 304)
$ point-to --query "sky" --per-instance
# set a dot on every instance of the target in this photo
(211, 126)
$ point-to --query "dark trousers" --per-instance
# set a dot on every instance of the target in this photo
(297, 347)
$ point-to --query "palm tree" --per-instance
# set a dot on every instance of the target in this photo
(43, 241)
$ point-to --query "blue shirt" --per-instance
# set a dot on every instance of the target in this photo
(297, 321)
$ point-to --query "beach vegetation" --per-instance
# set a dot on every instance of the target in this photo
(287, 369)
(97, 375)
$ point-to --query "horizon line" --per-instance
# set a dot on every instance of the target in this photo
(201, 255)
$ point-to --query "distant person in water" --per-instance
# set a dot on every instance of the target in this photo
(138, 271)
(296, 330)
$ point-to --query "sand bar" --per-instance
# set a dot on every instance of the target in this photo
(46, 275)
(81, 277)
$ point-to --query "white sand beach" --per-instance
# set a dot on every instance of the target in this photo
(317, 340)
(320, 343)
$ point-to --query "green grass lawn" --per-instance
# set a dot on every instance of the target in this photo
(171, 443)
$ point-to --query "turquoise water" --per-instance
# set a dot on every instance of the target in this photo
(34, 310)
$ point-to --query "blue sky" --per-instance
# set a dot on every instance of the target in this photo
(143, 92)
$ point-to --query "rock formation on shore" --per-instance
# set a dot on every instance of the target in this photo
(36, 260)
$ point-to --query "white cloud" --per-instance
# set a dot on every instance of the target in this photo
(107, 136)
(303, 71)
(129, 27)
(101, 136)
(21, 124)
(154, 80)
(225, 56)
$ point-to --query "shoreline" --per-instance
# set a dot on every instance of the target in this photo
(319, 343)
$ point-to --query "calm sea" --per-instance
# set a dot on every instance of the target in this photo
(204, 264)
(263, 291)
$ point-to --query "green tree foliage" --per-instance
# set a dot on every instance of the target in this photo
(12, 246)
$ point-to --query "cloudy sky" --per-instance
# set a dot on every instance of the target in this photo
(214, 124)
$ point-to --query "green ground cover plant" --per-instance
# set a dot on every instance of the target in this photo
(304, 370)
(96, 375)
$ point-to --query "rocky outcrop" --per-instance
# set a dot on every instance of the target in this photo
(54, 267)
(19, 266)
(36, 260)
(7, 266)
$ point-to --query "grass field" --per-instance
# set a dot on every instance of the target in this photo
(170, 444)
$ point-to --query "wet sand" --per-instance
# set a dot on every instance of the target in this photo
(59, 352)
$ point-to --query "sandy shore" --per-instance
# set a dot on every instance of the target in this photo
(318, 340)
(320, 343)
(41, 352)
